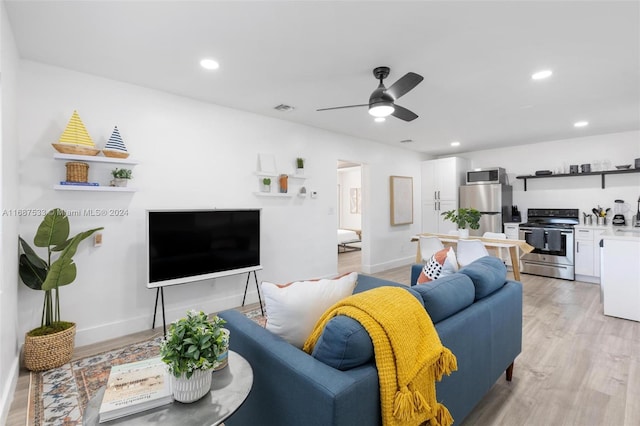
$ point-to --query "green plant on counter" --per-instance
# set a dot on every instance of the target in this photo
(49, 275)
(193, 343)
(464, 216)
(121, 173)
(266, 181)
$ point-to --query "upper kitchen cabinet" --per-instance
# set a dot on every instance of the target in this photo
(442, 177)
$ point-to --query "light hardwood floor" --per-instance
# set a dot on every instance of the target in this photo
(577, 366)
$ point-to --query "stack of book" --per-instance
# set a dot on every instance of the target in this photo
(66, 182)
(135, 387)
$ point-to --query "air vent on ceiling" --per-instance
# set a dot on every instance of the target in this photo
(284, 108)
(406, 141)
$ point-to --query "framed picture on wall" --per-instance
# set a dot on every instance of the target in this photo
(401, 200)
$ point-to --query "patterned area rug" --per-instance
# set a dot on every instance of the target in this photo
(58, 396)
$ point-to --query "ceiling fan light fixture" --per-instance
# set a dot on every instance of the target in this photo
(382, 110)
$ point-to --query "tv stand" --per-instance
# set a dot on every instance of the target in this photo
(160, 295)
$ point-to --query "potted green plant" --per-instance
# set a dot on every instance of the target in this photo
(266, 184)
(121, 176)
(191, 350)
(51, 344)
(463, 217)
(299, 165)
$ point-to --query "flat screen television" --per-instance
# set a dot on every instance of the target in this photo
(193, 245)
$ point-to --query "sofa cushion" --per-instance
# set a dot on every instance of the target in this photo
(446, 296)
(293, 309)
(344, 344)
(487, 273)
(441, 264)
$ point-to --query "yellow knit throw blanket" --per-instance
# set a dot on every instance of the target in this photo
(408, 352)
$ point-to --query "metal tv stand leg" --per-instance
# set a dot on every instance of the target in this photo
(246, 286)
(159, 292)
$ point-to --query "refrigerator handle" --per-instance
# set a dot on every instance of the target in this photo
(435, 195)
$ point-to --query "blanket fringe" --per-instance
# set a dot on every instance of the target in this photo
(443, 417)
(403, 405)
(446, 364)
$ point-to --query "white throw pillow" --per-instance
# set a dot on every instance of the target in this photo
(294, 309)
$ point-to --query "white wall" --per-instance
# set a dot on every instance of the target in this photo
(192, 155)
(349, 178)
(582, 192)
(8, 224)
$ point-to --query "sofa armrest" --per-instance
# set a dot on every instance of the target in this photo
(291, 387)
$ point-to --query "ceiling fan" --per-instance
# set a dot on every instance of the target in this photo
(382, 100)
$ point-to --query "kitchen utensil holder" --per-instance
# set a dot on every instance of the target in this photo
(602, 221)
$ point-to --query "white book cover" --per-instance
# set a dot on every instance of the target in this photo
(135, 387)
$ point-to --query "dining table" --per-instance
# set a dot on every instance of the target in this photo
(513, 246)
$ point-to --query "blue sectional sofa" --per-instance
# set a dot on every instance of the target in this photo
(477, 313)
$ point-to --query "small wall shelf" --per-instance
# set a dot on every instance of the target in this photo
(274, 194)
(602, 175)
(94, 188)
(93, 159)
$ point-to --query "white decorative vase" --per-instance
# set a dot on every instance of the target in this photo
(463, 233)
(120, 182)
(300, 171)
(192, 389)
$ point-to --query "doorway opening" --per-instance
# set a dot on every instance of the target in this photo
(349, 226)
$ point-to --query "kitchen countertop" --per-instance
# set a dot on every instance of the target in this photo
(625, 233)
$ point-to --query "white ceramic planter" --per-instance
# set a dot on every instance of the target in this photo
(463, 233)
(192, 389)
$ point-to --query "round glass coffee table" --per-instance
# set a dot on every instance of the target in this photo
(229, 388)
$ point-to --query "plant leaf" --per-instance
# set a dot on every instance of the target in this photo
(31, 275)
(53, 230)
(63, 270)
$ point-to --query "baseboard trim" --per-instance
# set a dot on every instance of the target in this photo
(396, 263)
(9, 389)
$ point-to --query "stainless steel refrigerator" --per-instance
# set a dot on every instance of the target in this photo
(493, 200)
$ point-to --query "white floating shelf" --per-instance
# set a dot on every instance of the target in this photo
(274, 194)
(94, 188)
(94, 159)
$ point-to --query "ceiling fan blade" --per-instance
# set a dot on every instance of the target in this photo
(342, 107)
(404, 114)
(406, 83)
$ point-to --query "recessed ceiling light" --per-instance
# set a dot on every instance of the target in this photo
(541, 75)
(455, 143)
(209, 64)
(379, 119)
(580, 124)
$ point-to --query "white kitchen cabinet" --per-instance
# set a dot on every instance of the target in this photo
(587, 252)
(439, 191)
(621, 276)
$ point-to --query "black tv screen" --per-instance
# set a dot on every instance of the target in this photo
(192, 245)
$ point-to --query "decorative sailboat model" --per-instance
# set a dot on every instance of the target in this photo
(75, 139)
(115, 146)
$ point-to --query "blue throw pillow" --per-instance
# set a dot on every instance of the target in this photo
(487, 273)
(344, 344)
(446, 296)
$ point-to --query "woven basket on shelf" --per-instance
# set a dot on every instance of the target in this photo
(77, 172)
(50, 351)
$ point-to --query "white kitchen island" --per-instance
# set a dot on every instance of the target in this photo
(620, 274)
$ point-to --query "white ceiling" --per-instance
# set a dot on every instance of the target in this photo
(476, 58)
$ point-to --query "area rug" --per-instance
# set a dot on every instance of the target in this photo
(58, 396)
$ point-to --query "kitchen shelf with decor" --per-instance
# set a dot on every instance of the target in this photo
(558, 175)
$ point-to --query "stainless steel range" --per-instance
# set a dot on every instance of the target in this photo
(550, 232)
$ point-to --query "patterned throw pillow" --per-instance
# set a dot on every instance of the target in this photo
(441, 264)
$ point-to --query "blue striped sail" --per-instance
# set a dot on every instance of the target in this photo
(115, 142)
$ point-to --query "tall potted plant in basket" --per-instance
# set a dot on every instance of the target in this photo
(51, 344)
(463, 217)
(192, 349)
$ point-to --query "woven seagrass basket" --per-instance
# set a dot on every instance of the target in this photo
(77, 172)
(46, 352)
